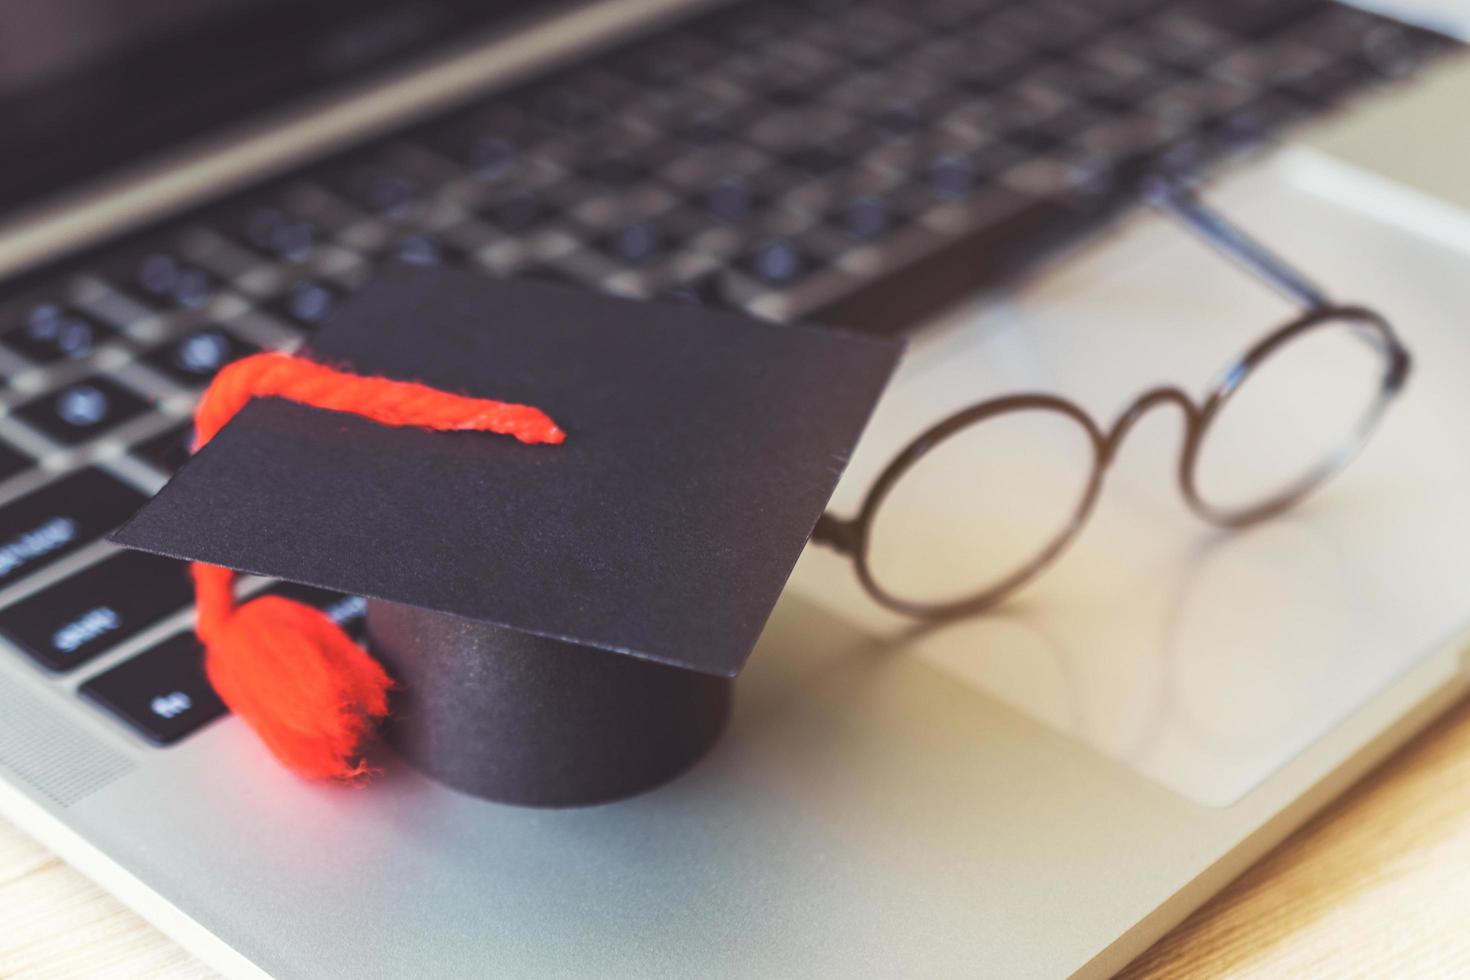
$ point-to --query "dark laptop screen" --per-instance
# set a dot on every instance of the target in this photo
(89, 85)
(44, 40)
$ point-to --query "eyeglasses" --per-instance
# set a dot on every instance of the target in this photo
(968, 551)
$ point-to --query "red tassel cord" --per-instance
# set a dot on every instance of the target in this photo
(396, 403)
(311, 693)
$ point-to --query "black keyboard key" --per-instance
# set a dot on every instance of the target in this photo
(867, 217)
(748, 26)
(50, 333)
(1391, 51)
(943, 16)
(776, 262)
(82, 411)
(192, 360)
(706, 290)
(614, 170)
(13, 461)
(1257, 18)
(895, 120)
(951, 177)
(565, 108)
(347, 611)
(423, 250)
(384, 192)
(829, 8)
(704, 128)
(636, 243)
(278, 234)
(789, 96)
(519, 211)
(165, 278)
(490, 157)
(817, 160)
(308, 303)
(730, 198)
(871, 53)
(1251, 123)
(1328, 84)
(1035, 140)
(162, 693)
(666, 61)
(59, 518)
(169, 449)
(986, 77)
(67, 624)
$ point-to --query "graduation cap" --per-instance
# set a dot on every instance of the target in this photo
(561, 618)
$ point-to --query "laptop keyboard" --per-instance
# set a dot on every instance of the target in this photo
(854, 161)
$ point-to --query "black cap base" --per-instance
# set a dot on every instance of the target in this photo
(524, 719)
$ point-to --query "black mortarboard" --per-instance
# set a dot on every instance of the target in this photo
(563, 622)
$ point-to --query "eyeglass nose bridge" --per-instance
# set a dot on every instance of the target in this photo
(1141, 406)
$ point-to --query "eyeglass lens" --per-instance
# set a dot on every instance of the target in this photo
(980, 506)
(1294, 418)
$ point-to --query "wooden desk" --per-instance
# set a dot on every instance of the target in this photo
(1376, 886)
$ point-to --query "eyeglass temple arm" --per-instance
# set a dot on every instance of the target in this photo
(1233, 242)
(836, 533)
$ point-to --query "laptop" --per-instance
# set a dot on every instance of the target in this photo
(1040, 791)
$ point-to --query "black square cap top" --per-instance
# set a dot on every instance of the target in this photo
(701, 448)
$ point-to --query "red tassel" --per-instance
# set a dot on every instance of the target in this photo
(312, 694)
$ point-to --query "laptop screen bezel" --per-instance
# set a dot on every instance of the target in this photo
(193, 83)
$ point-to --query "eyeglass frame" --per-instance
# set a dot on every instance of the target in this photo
(852, 537)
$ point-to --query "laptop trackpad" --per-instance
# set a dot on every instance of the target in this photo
(1205, 659)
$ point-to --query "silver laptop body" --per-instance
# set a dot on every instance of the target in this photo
(1042, 791)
